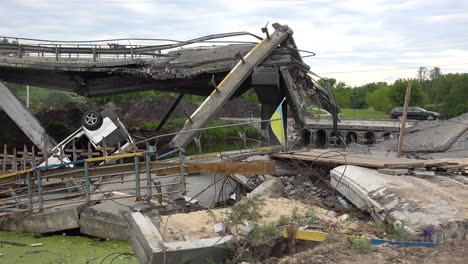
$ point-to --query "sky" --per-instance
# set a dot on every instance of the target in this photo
(355, 41)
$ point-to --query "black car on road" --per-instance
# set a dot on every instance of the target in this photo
(414, 113)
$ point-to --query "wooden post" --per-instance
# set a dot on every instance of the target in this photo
(403, 121)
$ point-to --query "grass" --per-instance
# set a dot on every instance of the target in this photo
(363, 114)
(215, 133)
(359, 244)
(41, 98)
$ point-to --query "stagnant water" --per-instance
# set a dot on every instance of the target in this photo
(62, 249)
(66, 249)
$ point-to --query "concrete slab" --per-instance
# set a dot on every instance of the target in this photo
(149, 246)
(106, 220)
(418, 203)
(54, 220)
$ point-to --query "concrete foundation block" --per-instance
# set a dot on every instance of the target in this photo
(106, 220)
(62, 218)
(149, 246)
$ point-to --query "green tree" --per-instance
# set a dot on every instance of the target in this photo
(398, 91)
(380, 99)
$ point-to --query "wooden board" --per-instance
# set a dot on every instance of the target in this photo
(231, 167)
(339, 157)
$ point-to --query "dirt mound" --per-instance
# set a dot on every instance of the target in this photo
(239, 108)
(338, 249)
(152, 110)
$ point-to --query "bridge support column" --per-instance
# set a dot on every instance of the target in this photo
(266, 83)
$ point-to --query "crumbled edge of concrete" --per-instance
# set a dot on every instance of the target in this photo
(150, 247)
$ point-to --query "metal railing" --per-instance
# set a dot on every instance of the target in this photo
(37, 189)
(104, 49)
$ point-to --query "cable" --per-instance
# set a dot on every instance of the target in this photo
(120, 253)
(123, 254)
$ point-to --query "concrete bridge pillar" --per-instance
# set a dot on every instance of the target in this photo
(266, 82)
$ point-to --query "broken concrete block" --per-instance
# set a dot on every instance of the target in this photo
(331, 213)
(437, 203)
(218, 227)
(272, 188)
(393, 171)
(245, 230)
(343, 217)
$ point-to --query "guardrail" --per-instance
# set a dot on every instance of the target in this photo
(103, 49)
(42, 188)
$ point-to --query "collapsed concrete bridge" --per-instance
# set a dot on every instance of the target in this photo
(273, 67)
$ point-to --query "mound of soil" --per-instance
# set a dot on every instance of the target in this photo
(337, 249)
(239, 108)
(152, 110)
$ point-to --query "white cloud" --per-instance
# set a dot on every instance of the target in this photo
(348, 36)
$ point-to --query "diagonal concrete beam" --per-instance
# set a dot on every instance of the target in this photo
(229, 85)
(292, 97)
(23, 118)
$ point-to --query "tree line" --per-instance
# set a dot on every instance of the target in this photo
(444, 93)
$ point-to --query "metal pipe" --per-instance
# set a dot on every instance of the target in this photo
(86, 174)
(137, 177)
(39, 190)
(148, 176)
(182, 172)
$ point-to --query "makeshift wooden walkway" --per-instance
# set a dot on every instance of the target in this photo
(340, 157)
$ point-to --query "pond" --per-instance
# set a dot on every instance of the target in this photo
(62, 249)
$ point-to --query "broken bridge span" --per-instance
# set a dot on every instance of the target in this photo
(272, 66)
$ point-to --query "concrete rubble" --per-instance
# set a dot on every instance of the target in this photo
(432, 139)
(434, 208)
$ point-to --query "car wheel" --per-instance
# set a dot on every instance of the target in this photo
(430, 117)
(91, 120)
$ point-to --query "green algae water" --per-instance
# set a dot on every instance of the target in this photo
(62, 249)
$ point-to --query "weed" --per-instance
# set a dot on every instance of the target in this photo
(212, 261)
(262, 232)
(295, 213)
(395, 232)
(310, 216)
(245, 210)
(283, 220)
(269, 230)
(359, 244)
(149, 125)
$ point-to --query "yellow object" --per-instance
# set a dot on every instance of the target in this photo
(277, 124)
(11, 174)
(120, 156)
(310, 235)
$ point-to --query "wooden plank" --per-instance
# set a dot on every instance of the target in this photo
(231, 167)
(341, 158)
